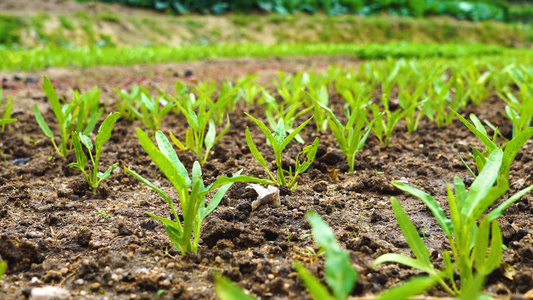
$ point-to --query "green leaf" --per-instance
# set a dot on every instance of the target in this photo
(431, 203)
(166, 148)
(85, 140)
(54, 101)
(42, 122)
(499, 210)
(227, 290)
(512, 148)
(412, 287)
(489, 145)
(210, 135)
(340, 275)
(289, 138)
(81, 158)
(107, 173)
(401, 259)
(266, 131)
(149, 184)
(215, 201)
(411, 236)
(482, 185)
(473, 290)
(3, 268)
(317, 290)
(104, 132)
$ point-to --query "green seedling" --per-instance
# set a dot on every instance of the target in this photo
(191, 191)
(476, 249)
(64, 116)
(275, 112)
(511, 148)
(519, 108)
(152, 110)
(89, 111)
(279, 140)
(321, 96)
(352, 136)
(340, 275)
(6, 115)
(92, 175)
(129, 100)
(196, 137)
(250, 90)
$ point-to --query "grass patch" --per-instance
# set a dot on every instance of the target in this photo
(95, 56)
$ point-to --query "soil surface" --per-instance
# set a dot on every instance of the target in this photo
(54, 231)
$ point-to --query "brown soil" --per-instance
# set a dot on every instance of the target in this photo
(53, 231)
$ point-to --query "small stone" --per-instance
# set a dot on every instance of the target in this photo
(133, 296)
(270, 276)
(63, 271)
(20, 161)
(95, 286)
(34, 235)
(49, 292)
(265, 196)
(79, 281)
(35, 280)
(218, 260)
(171, 265)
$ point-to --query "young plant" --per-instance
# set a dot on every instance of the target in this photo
(279, 140)
(6, 115)
(64, 116)
(89, 111)
(196, 137)
(3, 268)
(152, 111)
(519, 109)
(340, 274)
(128, 100)
(92, 176)
(469, 242)
(511, 148)
(352, 136)
(191, 191)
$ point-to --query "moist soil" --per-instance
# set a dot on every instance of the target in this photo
(54, 231)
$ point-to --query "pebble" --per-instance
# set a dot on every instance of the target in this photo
(35, 280)
(79, 281)
(34, 235)
(20, 161)
(133, 296)
(171, 265)
(95, 286)
(63, 271)
(49, 292)
(270, 276)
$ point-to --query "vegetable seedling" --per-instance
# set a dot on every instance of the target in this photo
(6, 115)
(279, 140)
(64, 116)
(92, 176)
(191, 191)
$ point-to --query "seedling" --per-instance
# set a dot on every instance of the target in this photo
(469, 241)
(511, 148)
(129, 100)
(191, 192)
(352, 136)
(89, 111)
(279, 140)
(274, 112)
(6, 115)
(152, 110)
(92, 176)
(196, 137)
(64, 116)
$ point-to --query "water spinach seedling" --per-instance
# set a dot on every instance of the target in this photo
(279, 140)
(352, 136)
(6, 115)
(92, 176)
(474, 247)
(152, 110)
(64, 116)
(196, 137)
(191, 191)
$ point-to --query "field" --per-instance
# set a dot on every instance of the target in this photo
(98, 242)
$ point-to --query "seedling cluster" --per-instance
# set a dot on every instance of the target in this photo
(378, 102)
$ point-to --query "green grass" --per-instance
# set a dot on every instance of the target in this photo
(93, 56)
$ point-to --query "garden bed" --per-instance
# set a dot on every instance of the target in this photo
(54, 231)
